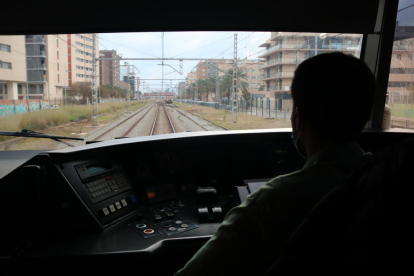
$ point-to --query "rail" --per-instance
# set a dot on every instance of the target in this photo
(169, 119)
(189, 118)
(135, 124)
(122, 122)
(211, 122)
(155, 121)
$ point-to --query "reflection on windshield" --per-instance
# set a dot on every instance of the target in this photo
(104, 86)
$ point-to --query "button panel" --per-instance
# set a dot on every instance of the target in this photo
(145, 230)
(107, 185)
(175, 226)
(112, 208)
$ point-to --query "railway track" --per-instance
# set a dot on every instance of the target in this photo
(159, 120)
(177, 109)
(190, 118)
(147, 108)
(162, 123)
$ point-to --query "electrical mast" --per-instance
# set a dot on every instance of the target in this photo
(95, 116)
(129, 82)
(235, 69)
(162, 72)
(217, 96)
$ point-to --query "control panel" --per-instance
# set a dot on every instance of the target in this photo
(106, 186)
(102, 179)
(169, 218)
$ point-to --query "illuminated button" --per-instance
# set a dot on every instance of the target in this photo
(166, 224)
(178, 222)
(118, 205)
(148, 231)
(184, 225)
(141, 225)
(124, 203)
(112, 208)
(105, 211)
(172, 229)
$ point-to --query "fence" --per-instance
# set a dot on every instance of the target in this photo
(12, 107)
(77, 101)
(256, 106)
(409, 124)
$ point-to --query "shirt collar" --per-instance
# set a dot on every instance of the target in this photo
(346, 152)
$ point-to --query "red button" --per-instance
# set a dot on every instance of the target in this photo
(108, 178)
(148, 231)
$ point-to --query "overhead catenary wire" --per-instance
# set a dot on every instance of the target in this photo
(128, 47)
(202, 47)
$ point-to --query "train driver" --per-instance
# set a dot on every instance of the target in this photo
(332, 101)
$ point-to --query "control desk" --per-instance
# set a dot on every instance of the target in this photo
(146, 200)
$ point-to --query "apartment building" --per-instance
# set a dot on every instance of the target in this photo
(191, 76)
(250, 68)
(13, 73)
(34, 67)
(80, 53)
(401, 77)
(285, 51)
(133, 81)
(110, 69)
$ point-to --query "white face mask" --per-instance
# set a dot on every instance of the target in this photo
(295, 139)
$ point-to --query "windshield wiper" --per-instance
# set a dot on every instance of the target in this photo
(34, 134)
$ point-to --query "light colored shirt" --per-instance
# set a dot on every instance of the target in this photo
(252, 235)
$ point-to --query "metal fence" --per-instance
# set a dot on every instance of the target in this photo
(255, 106)
(400, 123)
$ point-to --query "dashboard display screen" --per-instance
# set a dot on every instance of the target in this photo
(160, 192)
(98, 167)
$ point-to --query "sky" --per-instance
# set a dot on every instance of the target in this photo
(194, 45)
(406, 16)
(178, 45)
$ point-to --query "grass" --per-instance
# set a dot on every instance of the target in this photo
(402, 110)
(44, 119)
(244, 121)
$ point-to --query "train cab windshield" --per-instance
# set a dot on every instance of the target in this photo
(130, 140)
(103, 86)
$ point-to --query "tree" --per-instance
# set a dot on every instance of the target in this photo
(226, 83)
(210, 85)
(104, 91)
(81, 89)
